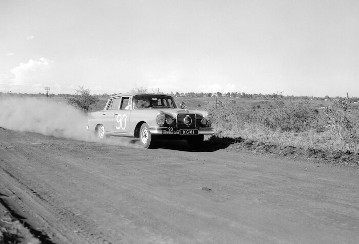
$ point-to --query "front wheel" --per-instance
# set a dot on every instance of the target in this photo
(195, 141)
(146, 139)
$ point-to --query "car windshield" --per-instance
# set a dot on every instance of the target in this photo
(153, 101)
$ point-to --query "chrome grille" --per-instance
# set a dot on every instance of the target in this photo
(182, 118)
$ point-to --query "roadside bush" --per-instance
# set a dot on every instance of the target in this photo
(295, 117)
(288, 117)
(343, 123)
(83, 99)
(289, 123)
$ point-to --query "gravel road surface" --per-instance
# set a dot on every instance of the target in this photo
(69, 191)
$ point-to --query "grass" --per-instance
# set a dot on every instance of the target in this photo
(330, 125)
(302, 123)
(297, 122)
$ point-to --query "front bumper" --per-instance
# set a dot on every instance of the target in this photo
(169, 131)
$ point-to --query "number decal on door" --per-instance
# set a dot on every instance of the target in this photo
(121, 121)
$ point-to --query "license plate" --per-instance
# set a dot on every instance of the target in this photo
(188, 132)
(170, 131)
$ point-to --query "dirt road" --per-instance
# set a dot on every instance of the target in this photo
(71, 191)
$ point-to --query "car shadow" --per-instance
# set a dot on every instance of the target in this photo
(211, 145)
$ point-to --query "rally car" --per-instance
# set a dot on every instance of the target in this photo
(149, 117)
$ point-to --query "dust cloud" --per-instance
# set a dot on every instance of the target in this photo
(44, 116)
(50, 117)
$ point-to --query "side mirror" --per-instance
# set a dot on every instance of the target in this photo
(183, 105)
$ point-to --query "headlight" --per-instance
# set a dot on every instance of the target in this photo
(204, 121)
(160, 119)
(163, 119)
(169, 120)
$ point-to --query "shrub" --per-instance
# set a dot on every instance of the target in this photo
(290, 123)
(83, 99)
(294, 117)
(342, 122)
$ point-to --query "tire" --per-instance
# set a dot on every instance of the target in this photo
(195, 141)
(146, 138)
(100, 132)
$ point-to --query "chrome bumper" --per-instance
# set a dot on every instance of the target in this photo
(165, 131)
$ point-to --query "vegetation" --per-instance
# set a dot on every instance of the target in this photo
(285, 122)
(83, 99)
(326, 124)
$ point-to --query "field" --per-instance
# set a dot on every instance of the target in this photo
(325, 129)
(321, 128)
(61, 186)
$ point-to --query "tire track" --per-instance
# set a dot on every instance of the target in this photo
(66, 221)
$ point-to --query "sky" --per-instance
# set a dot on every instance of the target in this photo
(301, 48)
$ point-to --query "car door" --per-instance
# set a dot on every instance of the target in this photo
(109, 113)
(122, 116)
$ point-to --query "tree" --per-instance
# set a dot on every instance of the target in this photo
(139, 90)
(83, 99)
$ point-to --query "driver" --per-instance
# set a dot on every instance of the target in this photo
(141, 103)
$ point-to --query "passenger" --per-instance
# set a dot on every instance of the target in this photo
(128, 106)
(143, 103)
(147, 103)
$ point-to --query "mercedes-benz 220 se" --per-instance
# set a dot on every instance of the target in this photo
(149, 117)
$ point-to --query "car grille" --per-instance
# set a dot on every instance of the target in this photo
(189, 118)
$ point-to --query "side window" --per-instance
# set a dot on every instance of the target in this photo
(125, 103)
(114, 104)
(171, 104)
(156, 102)
(165, 103)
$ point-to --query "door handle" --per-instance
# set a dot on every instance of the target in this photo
(116, 114)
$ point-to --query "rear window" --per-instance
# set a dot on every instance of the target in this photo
(113, 104)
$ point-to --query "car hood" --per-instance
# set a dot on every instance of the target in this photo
(175, 111)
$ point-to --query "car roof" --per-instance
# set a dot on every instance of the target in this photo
(138, 94)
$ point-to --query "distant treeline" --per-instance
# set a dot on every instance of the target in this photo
(198, 94)
(254, 95)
